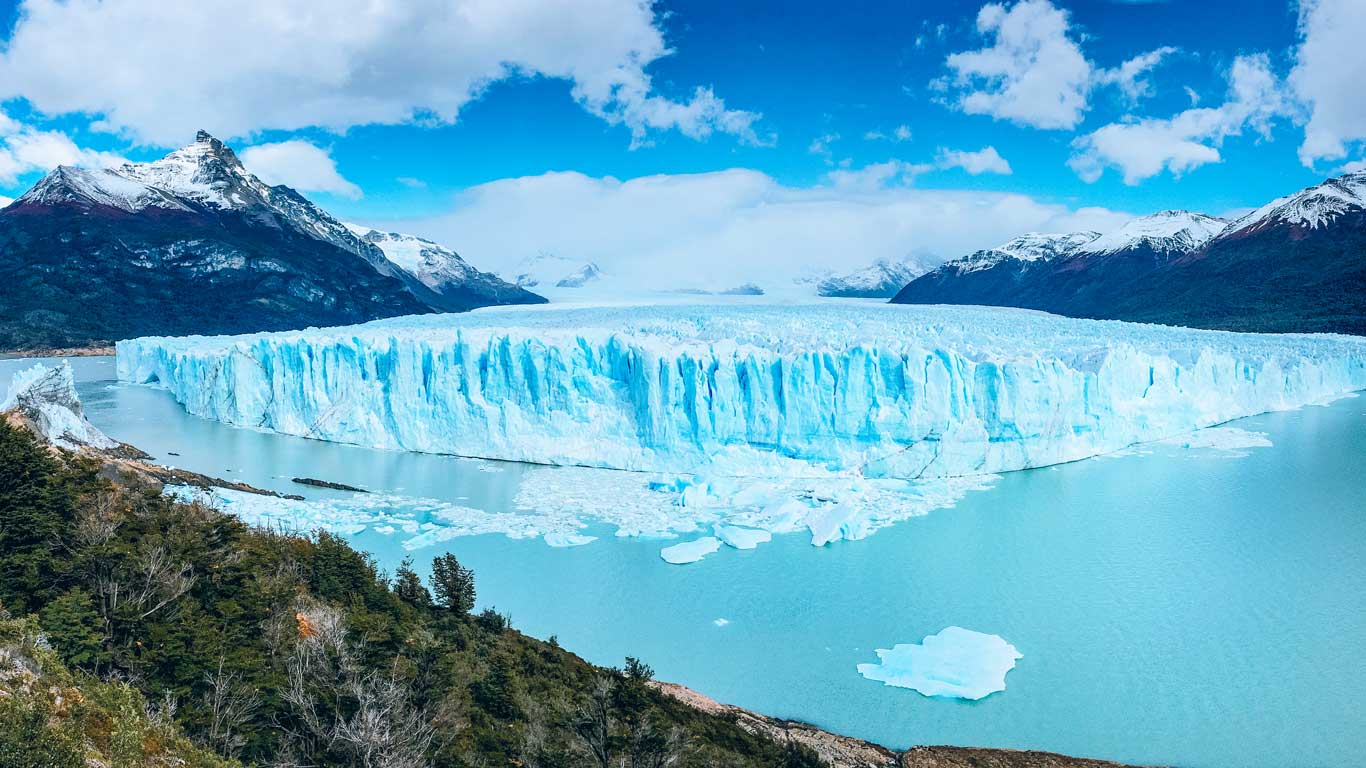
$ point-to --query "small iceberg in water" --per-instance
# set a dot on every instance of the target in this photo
(690, 551)
(956, 663)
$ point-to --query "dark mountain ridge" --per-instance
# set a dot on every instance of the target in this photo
(194, 244)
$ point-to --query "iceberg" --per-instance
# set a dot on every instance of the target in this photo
(740, 537)
(955, 663)
(749, 391)
(690, 551)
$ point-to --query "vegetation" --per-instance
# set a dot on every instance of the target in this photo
(270, 649)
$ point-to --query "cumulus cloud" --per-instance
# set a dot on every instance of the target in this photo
(25, 149)
(4, 201)
(241, 66)
(298, 164)
(986, 160)
(718, 230)
(1143, 148)
(1330, 68)
(1033, 73)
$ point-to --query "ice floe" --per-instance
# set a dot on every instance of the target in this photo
(955, 663)
(690, 551)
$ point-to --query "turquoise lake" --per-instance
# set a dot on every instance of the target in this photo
(1173, 606)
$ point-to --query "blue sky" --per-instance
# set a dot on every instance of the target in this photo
(802, 92)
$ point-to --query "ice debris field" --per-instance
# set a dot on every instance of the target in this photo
(955, 663)
(831, 419)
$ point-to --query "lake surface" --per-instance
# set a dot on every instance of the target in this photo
(1173, 606)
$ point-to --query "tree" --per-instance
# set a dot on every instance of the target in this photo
(73, 626)
(453, 584)
(496, 694)
(408, 585)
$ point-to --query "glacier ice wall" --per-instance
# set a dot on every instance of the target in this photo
(733, 390)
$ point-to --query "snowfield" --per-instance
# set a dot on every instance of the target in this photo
(761, 391)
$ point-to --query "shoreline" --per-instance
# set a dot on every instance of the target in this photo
(839, 751)
(36, 352)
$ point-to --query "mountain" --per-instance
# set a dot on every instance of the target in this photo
(881, 279)
(551, 270)
(443, 271)
(192, 243)
(1297, 264)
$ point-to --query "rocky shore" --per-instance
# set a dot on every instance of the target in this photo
(847, 752)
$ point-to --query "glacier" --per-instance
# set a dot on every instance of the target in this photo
(749, 391)
(955, 663)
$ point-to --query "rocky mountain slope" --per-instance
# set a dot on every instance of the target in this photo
(1296, 264)
(193, 243)
(459, 285)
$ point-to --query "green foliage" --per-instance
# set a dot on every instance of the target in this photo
(263, 639)
(453, 584)
(73, 626)
(408, 586)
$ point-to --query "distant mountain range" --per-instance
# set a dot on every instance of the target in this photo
(194, 243)
(1297, 264)
(880, 280)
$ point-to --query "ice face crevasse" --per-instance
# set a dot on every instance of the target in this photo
(876, 391)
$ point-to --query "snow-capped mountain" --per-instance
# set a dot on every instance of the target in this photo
(1032, 246)
(1166, 233)
(192, 243)
(443, 270)
(1295, 264)
(549, 270)
(1317, 206)
(879, 280)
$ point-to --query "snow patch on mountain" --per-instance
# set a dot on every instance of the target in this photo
(1032, 246)
(1314, 207)
(551, 270)
(1165, 232)
(881, 279)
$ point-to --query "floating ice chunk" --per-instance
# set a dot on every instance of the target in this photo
(690, 551)
(1230, 440)
(721, 622)
(560, 539)
(839, 521)
(741, 538)
(956, 663)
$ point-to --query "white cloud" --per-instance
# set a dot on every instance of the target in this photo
(298, 164)
(717, 230)
(1330, 68)
(236, 67)
(1192, 95)
(1144, 148)
(4, 201)
(1130, 76)
(899, 134)
(1033, 73)
(24, 149)
(411, 183)
(821, 146)
(986, 160)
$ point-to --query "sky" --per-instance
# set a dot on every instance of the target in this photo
(705, 139)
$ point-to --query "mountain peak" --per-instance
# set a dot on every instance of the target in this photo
(1311, 207)
(203, 137)
(1166, 232)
